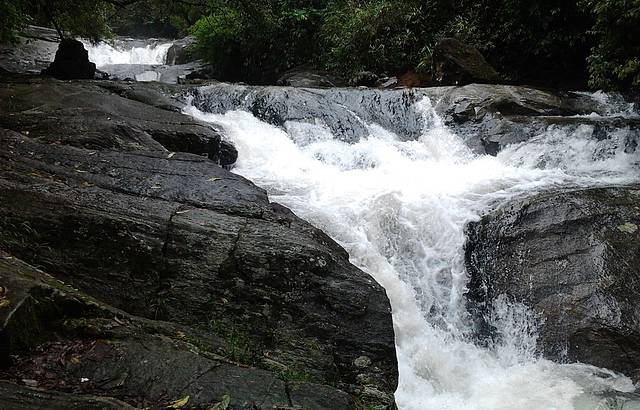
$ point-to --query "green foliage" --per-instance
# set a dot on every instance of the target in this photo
(614, 62)
(152, 18)
(256, 40)
(539, 41)
(293, 375)
(81, 18)
(12, 18)
(238, 345)
(385, 36)
(543, 42)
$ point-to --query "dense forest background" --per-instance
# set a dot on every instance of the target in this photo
(559, 43)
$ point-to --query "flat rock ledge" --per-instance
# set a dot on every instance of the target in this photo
(169, 281)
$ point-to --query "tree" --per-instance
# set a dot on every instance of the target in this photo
(12, 19)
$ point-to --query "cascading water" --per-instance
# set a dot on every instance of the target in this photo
(103, 54)
(141, 60)
(399, 206)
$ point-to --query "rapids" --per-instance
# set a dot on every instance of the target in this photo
(399, 204)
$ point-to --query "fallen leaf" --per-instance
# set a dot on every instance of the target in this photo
(223, 404)
(178, 404)
(214, 179)
(183, 212)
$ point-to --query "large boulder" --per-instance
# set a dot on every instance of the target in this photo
(67, 350)
(456, 63)
(71, 62)
(179, 52)
(310, 78)
(106, 115)
(33, 51)
(162, 233)
(574, 258)
(492, 117)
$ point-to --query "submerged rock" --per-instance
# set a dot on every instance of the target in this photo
(71, 62)
(573, 257)
(110, 199)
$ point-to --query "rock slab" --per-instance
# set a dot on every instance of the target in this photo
(573, 257)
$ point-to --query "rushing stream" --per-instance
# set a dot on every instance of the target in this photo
(399, 206)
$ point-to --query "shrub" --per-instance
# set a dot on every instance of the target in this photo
(614, 62)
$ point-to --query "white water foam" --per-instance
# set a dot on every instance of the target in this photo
(399, 208)
(103, 54)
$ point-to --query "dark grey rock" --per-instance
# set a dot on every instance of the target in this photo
(16, 397)
(456, 63)
(575, 258)
(491, 117)
(173, 236)
(345, 112)
(79, 348)
(364, 78)
(105, 115)
(71, 62)
(34, 51)
(309, 78)
(179, 52)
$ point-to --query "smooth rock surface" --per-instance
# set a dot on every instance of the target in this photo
(34, 51)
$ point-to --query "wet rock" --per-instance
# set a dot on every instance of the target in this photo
(15, 397)
(71, 62)
(345, 112)
(414, 79)
(364, 79)
(456, 63)
(492, 117)
(573, 257)
(309, 78)
(387, 82)
(173, 236)
(33, 52)
(168, 74)
(179, 52)
(105, 115)
(88, 349)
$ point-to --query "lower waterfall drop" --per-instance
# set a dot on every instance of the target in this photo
(400, 208)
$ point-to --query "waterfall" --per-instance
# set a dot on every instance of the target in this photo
(103, 54)
(382, 174)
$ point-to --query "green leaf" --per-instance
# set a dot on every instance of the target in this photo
(223, 404)
(178, 404)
